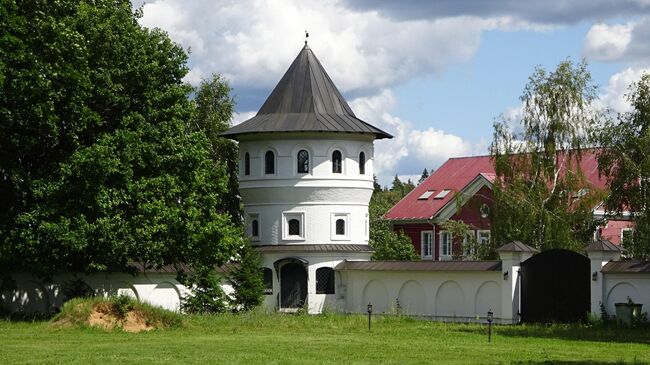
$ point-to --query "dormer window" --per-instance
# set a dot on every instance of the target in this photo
(362, 163)
(303, 162)
(337, 162)
(269, 163)
(247, 164)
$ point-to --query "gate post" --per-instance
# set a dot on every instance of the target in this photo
(600, 253)
(512, 255)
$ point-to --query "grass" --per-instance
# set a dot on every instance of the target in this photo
(255, 338)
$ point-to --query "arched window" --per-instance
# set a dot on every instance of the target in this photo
(268, 281)
(340, 227)
(337, 162)
(255, 228)
(362, 163)
(269, 163)
(247, 164)
(303, 162)
(294, 227)
(324, 280)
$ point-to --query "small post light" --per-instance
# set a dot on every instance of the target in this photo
(490, 318)
(505, 275)
(594, 276)
(369, 315)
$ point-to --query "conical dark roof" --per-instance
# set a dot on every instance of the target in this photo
(305, 100)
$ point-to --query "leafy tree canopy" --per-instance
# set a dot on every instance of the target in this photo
(388, 245)
(541, 196)
(100, 164)
(625, 161)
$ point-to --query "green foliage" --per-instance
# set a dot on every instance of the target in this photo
(76, 288)
(206, 294)
(541, 196)
(625, 161)
(212, 116)
(247, 280)
(99, 162)
(388, 245)
(424, 176)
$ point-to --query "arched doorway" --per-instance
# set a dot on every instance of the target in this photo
(293, 285)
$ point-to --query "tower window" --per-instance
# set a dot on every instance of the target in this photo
(303, 162)
(337, 162)
(247, 164)
(362, 163)
(340, 227)
(269, 163)
(294, 227)
(255, 228)
(324, 280)
(268, 281)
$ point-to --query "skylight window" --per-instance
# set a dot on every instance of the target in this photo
(426, 195)
(442, 194)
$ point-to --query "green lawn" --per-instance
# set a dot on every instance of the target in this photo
(295, 339)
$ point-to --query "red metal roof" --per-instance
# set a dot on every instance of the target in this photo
(456, 173)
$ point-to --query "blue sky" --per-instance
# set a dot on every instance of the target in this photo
(435, 74)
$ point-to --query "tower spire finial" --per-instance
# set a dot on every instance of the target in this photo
(306, 36)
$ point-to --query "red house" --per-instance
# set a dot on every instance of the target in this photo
(446, 195)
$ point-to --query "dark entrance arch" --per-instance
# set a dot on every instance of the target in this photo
(555, 287)
(293, 285)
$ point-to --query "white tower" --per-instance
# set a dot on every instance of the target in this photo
(306, 178)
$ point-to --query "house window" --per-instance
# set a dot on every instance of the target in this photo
(254, 226)
(303, 162)
(293, 226)
(470, 250)
(426, 244)
(483, 237)
(268, 281)
(627, 234)
(337, 162)
(325, 280)
(445, 245)
(362, 163)
(340, 226)
(247, 164)
(269, 163)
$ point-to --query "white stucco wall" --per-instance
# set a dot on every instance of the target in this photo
(442, 295)
(34, 295)
(619, 286)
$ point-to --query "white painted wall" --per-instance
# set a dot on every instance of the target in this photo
(619, 286)
(442, 295)
(33, 295)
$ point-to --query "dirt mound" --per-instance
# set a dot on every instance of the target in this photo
(133, 321)
(111, 313)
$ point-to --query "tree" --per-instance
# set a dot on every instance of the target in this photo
(213, 107)
(625, 161)
(247, 279)
(206, 295)
(541, 196)
(99, 163)
(424, 176)
(388, 245)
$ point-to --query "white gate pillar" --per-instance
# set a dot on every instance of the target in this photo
(600, 253)
(512, 255)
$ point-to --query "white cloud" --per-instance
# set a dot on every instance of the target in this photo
(626, 42)
(242, 117)
(252, 42)
(411, 150)
(618, 86)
